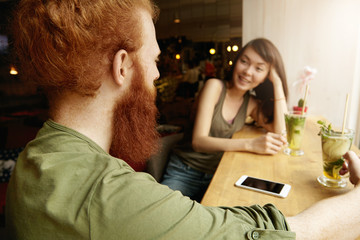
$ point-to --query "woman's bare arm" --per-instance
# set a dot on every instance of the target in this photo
(202, 142)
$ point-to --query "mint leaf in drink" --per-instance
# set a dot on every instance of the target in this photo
(338, 162)
(301, 102)
(327, 129)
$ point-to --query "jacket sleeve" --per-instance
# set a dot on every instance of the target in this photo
(131, 205)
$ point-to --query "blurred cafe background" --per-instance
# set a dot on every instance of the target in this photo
(200, 38)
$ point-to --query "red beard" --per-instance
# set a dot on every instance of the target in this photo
(135, 137)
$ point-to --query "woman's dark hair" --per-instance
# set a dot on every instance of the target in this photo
(264, 92)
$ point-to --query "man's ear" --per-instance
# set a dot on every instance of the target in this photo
(121, 64)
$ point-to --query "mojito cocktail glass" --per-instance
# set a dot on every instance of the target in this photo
(295, 125)
(334, 145)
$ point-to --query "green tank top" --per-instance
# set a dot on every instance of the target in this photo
(208, 161)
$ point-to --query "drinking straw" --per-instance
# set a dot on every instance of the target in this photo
(345, 113)
(304, 105)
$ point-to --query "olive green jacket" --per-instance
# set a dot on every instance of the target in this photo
(65, 186)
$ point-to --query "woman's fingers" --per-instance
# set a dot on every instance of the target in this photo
(274, 143)
(273, 75)
(276, 139)
(271, 143)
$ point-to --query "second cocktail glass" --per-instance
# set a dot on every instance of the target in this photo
(334, 145)
(295, 125)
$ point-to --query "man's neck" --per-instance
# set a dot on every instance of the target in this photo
(87, 116)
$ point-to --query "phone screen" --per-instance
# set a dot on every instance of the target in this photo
(263, 184)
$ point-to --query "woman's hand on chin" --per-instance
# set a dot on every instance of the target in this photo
(274, 76)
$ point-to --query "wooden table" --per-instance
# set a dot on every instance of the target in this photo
(299, 172)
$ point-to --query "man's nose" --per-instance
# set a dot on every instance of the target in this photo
(157, 76)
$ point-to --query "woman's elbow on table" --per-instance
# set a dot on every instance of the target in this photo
(196, 144)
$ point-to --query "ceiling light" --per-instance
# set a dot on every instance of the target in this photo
(177, 18)
(13, 71)
(228, 48)
(212, 51)
(235, 48)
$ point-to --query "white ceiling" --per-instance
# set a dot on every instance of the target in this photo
(201, 20)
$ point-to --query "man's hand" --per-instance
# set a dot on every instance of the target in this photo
(353, 167)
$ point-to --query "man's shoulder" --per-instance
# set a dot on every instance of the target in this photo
(53, 137)
(59, 154)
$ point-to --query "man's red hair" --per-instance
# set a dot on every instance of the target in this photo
(69, 44)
